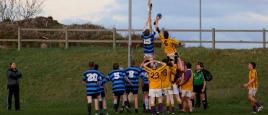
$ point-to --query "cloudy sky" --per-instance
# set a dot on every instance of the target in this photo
(227, 14)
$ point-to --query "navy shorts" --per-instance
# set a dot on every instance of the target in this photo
(133, 90)
(118, 93)
(102, 94)
(145, 88)
(94, 96)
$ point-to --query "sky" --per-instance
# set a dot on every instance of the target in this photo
(177, 14)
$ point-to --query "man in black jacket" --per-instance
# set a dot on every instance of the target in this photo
(13, 76)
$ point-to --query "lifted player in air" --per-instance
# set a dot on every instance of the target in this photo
(154, 69)
(148, 36)
(92, 78)
(169, 44)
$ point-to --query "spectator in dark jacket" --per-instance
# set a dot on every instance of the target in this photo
(13, 76)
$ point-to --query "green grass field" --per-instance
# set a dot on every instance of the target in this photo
(52, 85)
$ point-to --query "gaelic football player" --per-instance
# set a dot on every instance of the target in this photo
(187, 88)
(252, 86)
(154, 70)
(118, 79)
(102, 90)
(133, 74)
(92, 78)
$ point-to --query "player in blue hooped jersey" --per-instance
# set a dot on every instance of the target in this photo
(145, 88)
(102, 90)
(92, 79)
(148, 43)
(133, 74)
(119, 79)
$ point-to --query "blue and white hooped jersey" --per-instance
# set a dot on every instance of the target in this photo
(144, 76)
(148, 44)
(118, 80)
(93, 80)
(133, 74)
(103, 80)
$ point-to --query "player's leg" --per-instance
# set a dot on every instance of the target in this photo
(172, 109)
(167, 102)
(190, 95)
(160, 100)
(145, 90)
(89, 103)
(125, 103)
(116, 102)
(152, 96)
(176, 92)
(136, 102)
(96, 103)
(104, 104)
(253, 101)
(203, 98)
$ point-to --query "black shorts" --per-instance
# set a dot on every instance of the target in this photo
(130, 89)
(145, 88)
(94, 96)
(102, 94)
(198, 88)
(118, 93)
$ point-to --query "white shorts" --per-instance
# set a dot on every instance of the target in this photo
(155, 92)
(149, 56)
(252, 91)
(176, 90)
(168, 91)
(186, 93)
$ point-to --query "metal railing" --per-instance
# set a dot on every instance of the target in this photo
(114, 41)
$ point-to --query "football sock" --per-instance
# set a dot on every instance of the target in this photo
(89, 108)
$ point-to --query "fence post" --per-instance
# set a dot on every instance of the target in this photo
(114, 38)
(66, 37)
(19, 39)
(213, 39)
(264, 38)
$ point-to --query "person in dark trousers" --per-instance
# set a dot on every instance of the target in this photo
(208, 77)
(13, 76)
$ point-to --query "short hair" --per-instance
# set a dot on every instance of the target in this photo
(201, 64)
(116, 66)
(96, 67)
(253, 64)
(146, 32)
(188, 65)
(91, 64)
(166, 34)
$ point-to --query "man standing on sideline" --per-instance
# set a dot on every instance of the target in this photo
(199, 86)
(13, 76)
(208, 77)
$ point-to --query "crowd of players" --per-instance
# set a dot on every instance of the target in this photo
(164, 82)
(161, 80)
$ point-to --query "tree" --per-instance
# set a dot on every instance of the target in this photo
(19, 9)
(30, 8)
